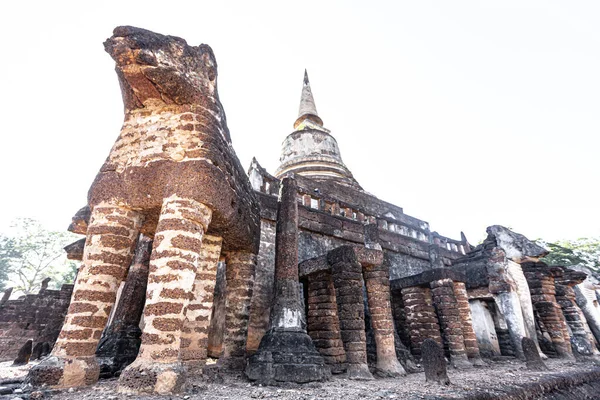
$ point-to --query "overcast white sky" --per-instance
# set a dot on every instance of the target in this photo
(464, 113)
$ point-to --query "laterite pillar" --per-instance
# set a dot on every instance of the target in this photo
(111, 237)
(176, 255)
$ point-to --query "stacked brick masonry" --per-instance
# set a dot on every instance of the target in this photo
(542, 288)
(194, 338)
(421, 317)
(239, 273)
(34, 316)
(176, 254)
(449, 317)
(175, 258)
(584, 341)
(323, 322)
(121, 339)
(348, 282)
(399, 315)
(470, 339)
(110, 240)
(377, 281)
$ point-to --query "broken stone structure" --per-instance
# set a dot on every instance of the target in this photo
(38, 317)
(434, 363)
(186, 257)
(24, 353)
(513, 295)
(495, 281)
(436, 307)
(583, 342)
(336, 311)
(173, 176)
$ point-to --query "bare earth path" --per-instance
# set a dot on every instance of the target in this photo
(492, 381)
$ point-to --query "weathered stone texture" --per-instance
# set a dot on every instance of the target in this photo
(377, 282)
(532, 356)
(171, 173)
(542, 286)
(496, 266)
(194, 338)
(583, 342)
(169, 292)
(38, 316)
(464, 310)
(347, 277)
(260, 307)
(421, 317)
(121, 339)
(175, 139)
(449, 317)
(24, 353)
(434, 362)
(239, 273)
(323, 320)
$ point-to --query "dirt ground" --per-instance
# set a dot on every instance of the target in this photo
(495, 378)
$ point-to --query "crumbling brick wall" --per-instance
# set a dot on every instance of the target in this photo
(35, 316)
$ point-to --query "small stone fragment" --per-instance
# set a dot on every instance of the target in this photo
(434, 362)
(532, 356)
(24, 353)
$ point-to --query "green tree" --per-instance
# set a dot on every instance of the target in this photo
(7, 253)
(31, 253)
(584, 252)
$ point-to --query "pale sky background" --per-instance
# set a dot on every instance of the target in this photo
(464, 113)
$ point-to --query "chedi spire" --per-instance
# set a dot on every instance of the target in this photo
(308, 109)
(310, 150)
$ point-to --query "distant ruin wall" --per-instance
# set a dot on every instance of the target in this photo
(35, 316)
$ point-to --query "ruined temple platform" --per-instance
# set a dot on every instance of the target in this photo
(503, 379)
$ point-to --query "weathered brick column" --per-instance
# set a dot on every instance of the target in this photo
(377, 282)
(176, 255)
(347, 277)
(583, 339)
(111, 237)
(323, 322)
(450, 321)
(239, 273)
(540, 279)
(421, 317)
(194, 337)
(464, 311)
(121, 340)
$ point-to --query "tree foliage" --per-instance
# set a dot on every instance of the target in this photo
(31, 253)
(584, 252)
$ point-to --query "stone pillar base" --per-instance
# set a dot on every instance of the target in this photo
(359, 372)
(287, 356)
(65, 372)
(143, 377)
(460, 362)
(118, 350)
(477, 361)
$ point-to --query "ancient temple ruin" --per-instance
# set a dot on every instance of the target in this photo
(186, 257)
